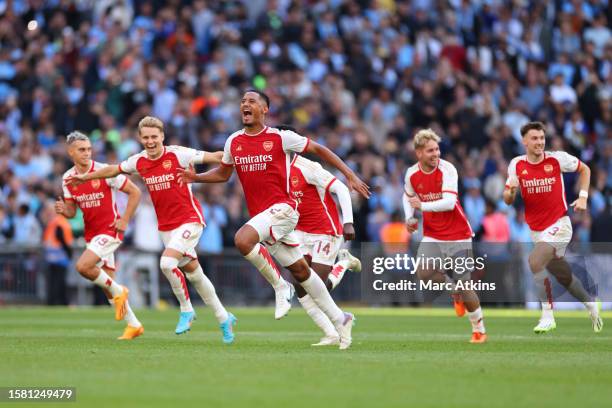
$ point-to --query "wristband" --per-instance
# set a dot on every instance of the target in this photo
(583, 194)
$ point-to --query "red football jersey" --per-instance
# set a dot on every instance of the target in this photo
(542, 187)
(310, 184)
(174, 204)
(96, 198)
(450, 225)
(262, 162)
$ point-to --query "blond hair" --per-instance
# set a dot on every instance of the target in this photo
(74, 136)
(423, 136)
(150, 121)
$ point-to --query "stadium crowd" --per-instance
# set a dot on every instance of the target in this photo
(357, 76)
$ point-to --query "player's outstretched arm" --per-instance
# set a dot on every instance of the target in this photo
(584, 181)
(344, 199)
(213, 157)
(204, 157)
(354, 182)
(65, 208)
(105, 172)
(219, 174)
(134, 194)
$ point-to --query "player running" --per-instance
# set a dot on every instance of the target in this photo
(179, 215)
(261, 157)
(321, 233)
(539, 176)
(431, 186)
(104, 227)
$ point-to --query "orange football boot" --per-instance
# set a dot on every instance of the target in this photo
(120, 302)
(478, 337)
(459, 305)
(131, 332)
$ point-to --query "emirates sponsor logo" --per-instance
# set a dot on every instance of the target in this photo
(167, 164)
(158, 183)
(268, 145)
(251, 159)
(89, 197)
(431, 196)
(295, 181)
(539, 182)
(95, 184)
(90, 200)
(164, 178)
(548, 168)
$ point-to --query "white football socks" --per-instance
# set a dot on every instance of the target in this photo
(317, 316)
(315, 287)
(337, 272)
(477, 320)
(130, 318)
(262, 260)
(169, 267)
(207, 292)
(544, 291)
(106, 282)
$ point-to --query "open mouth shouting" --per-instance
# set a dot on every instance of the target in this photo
(247, 115)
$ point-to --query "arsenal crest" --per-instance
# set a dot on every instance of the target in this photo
(95, 184)
(268, 145)
(167, 164)
(295, 181)
(548, 168)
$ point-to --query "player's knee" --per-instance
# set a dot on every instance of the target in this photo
(84, 267)
(243, 244)
(535, 263)
(167, 263)
(301, 272)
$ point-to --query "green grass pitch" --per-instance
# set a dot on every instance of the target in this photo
(399, 358)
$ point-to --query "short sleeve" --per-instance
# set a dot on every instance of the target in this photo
(186, 155)
(567, 162)
(128, 166)
(117, 182)
(512, 178)
(67, 193)
(449, 178)
(227, 158)
(408, 189)
(292, 142)
(314, 173)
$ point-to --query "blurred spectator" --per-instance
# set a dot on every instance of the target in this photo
(519, 230)
(601, 227)
(6, 229)
(495, 226)
(27, 227)
(473, 203)
(216, 219)
(394, 236)
(57, 240)
(358, 76)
